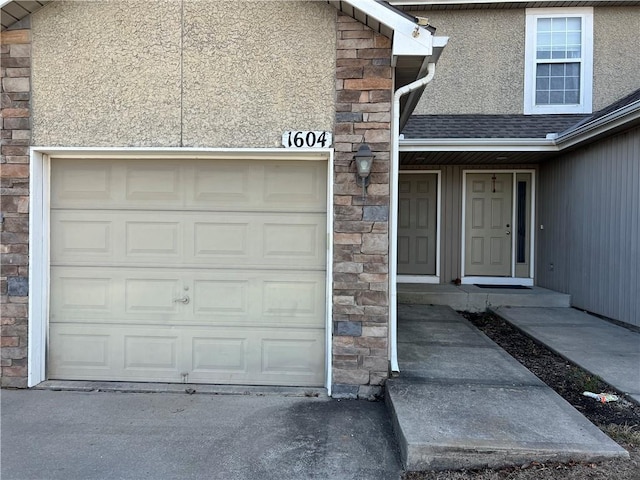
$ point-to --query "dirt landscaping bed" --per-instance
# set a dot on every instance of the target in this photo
(620, 420)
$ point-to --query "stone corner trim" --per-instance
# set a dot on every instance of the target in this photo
(15, 93)
(361, 226)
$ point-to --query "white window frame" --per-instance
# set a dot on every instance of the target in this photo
(586, 62)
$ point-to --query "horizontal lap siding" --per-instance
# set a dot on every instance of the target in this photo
(590, 208)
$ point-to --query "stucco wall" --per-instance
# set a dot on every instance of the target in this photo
(616, 61)
(482, 68)
(173, 73)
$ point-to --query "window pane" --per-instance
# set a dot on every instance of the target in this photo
(571, 96)
(561, 36)
(542, 97)
(574, 24)
(544, 24)
(573, 69)
(557, 83)
(556, 98)
(572, 83)
(543, 70)
(542, 83)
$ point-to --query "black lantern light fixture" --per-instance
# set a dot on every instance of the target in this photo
(364, 160)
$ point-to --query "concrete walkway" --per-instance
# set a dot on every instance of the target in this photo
(462, 402)
(80, 435)
(609, 351)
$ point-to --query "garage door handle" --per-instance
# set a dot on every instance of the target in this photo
(184, 299)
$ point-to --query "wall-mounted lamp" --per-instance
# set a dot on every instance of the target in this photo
(364, 160)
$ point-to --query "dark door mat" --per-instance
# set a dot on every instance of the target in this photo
(504, 287)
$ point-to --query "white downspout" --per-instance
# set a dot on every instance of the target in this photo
(393, 211)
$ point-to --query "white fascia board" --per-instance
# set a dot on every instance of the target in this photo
(417, 3)
(478, 145)
(608, 122)
(408, 37)
(194, 153)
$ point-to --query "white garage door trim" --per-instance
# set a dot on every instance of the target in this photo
(39, 228)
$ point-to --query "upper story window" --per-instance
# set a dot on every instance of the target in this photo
(558, 60)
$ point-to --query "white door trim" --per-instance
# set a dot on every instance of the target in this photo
(39, 228)
(428, 278)
(512, 280)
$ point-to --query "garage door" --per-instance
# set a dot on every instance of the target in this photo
(188, 271)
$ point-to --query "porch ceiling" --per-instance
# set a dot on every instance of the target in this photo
(414, 159)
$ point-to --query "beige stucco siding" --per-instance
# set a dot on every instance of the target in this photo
(173, 73)
(482, 68)
(106, 73)
(255, 69)
(616, 61)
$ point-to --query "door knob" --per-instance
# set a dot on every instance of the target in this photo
(184, 299)
(508, 232)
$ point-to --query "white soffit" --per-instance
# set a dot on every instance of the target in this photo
(408, 37)
(14, 11)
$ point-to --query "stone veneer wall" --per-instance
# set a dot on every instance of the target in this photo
(14, 188)
(361, 227)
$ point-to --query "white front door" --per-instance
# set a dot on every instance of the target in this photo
(488, 224)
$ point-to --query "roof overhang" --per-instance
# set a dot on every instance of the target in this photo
(478, 145)
(12, 12)
(613, 122)
(421, 5)
(407, 36)
(518, 150)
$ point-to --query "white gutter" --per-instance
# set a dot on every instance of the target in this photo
(419, 3)
(478, 145)
(599, 126)
(393, 211)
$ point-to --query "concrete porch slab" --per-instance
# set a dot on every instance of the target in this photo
(463, 402)
(471, 298)
(602, 348)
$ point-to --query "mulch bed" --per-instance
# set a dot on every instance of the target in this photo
(565, 378)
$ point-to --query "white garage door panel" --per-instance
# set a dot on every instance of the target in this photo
(188, 270)
(206, 355)
(207, 240)
(140, 296)
(222, 185)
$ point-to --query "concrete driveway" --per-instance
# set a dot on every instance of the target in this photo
(99, 435)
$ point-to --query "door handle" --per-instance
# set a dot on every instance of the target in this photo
(184, 299)
(508, 232)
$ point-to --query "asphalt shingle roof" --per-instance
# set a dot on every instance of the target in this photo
(504, 126)
(488, 126)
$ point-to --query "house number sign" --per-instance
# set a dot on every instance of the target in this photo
(306, 139)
